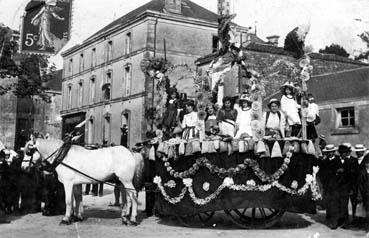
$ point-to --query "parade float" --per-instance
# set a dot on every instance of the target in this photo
(254, 179)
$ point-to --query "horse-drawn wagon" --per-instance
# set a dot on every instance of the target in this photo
(254, 183)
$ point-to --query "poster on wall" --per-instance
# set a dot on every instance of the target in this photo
(46, 26)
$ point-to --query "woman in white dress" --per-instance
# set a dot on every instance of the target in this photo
(290, 108)
(190, 123)
(243, 121)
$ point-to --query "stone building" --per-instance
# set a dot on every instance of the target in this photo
(21, 116)
(343, 100)
(103, 81)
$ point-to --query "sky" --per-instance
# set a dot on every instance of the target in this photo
(332, 21)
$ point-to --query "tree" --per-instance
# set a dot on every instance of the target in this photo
(335, 49)
(364, 37)
(31, 71)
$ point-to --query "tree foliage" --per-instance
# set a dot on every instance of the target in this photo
(364, 37)
(30, 71)
(335, 49)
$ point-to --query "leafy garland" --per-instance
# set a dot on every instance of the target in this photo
(310, 182)
(231, 172)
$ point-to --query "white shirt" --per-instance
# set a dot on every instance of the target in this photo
(290, 108)
(244, 122)
(274, 122)
(313, 111)
(190, 120)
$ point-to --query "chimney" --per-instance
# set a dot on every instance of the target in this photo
(173, 6)
(224, 7)
(273, 40)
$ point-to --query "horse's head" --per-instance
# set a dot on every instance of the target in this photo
(31, 157)
(37, 150)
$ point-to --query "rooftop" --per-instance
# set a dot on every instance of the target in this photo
(189, 10)
(342, 85)
(268, 48)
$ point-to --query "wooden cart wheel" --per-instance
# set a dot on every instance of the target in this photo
(198, 220)
(254, 217)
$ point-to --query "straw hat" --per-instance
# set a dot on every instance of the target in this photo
(245, 97)
(329, 148)
(288, 85)
(359, 148)
(274, 100)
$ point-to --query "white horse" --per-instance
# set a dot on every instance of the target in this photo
(101, 164)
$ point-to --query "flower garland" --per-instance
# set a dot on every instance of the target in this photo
(310, 182)
(231, 172)
(173, 200)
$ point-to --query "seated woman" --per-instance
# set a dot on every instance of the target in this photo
(210, 120)
(243, 121)
(190, 122)
(274, 120)
(290, 108)
(226, 118)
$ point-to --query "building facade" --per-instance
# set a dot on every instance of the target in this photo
(343, 100)
(103, 81)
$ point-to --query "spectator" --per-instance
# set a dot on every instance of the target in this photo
(363, 186)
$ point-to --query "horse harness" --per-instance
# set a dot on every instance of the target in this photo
(60, 154)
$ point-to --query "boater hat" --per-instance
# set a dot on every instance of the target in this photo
(329, 148)
(245, 97)
(359, 148)
(288, 85)
(274, 100)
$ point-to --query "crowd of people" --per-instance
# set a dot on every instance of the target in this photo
(233, 118)
(344, 177)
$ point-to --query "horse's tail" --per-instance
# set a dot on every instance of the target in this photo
(139, 178)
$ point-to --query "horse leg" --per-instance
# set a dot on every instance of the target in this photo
(131, 202)
(68, 188)
(78, 209)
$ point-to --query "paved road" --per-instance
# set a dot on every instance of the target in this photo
(104, 221)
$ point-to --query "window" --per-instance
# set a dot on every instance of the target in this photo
(80, 93)
(69, 95)
(215, 43)
(109, 51)
(93, 57)
(107, 86)
(70, 67)
(346, 117)
(92, 89)
(128, 42)
(81, 63)
(106, 129)
(128, 79)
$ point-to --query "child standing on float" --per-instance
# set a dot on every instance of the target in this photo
(170, 114)
(290, 108)
(243, 121)
(226, 118)
(190, 123)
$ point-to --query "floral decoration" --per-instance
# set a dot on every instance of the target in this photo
(294, 184)
(206, 186)
(170, 184)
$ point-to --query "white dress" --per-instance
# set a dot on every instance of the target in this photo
(190, 125)
(244, 122)
(290, 108)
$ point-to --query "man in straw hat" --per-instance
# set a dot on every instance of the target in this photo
(363, 184)
(336, 180)
(357, 163)
(274, 120)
